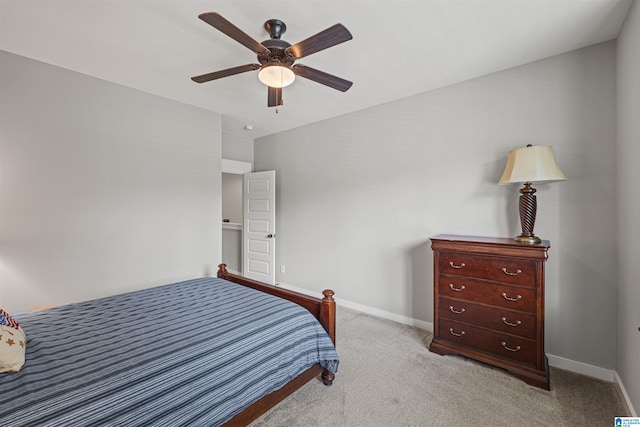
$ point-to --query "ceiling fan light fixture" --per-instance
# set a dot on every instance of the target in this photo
(276, 75)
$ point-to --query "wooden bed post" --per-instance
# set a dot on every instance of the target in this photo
(328, 314)
(328, 321)
(222, 271)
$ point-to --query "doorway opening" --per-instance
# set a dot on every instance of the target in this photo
(232, 213)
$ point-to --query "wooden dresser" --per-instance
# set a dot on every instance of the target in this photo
(489, 303)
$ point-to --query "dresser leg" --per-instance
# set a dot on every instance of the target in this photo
(538, 379)
(437, 348)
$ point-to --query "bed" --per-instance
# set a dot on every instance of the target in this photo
(203, 352)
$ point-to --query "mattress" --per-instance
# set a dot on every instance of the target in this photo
(193, 353)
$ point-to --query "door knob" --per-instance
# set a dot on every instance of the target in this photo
(270, 236)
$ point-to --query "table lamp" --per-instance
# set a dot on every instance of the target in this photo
(527, 165)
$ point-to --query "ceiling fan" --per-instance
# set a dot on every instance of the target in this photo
(276, 57)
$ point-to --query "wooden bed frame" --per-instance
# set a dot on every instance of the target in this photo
(322, 309)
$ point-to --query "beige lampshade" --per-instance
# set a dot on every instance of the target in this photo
(531, 164)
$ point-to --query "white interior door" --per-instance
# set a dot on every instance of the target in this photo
(259, 229)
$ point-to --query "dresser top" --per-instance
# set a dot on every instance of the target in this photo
(491, 240)
(498, 246)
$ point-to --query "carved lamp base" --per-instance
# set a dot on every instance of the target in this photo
(528, 206)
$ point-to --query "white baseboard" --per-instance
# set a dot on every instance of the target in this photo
(428, 326)
(581, 368)
(592, 371)
(625, 395)
(555, 361)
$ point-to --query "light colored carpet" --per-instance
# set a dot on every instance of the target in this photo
(387, 377)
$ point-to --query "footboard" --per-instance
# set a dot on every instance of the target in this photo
(322, 309)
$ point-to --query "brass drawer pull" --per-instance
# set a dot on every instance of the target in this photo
(453, 288)
(453, 310)
(456, 266)
(506, 347)
(504, 270)
(506, 322)
(455, 334)
(504, 295)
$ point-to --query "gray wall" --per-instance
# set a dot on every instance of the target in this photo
(237, 143)
(232, 197)
(102, 188)
(628, 68)
(359, 195)
(232, 249)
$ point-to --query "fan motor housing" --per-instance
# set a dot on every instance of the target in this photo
(277, 52)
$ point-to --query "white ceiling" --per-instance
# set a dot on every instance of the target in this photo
(399, 48)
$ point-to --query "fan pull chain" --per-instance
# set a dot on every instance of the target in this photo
(281, 85)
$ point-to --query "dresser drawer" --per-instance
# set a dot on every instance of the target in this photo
(499, 319)
(493, 268)
(503, 345)
(492, 293)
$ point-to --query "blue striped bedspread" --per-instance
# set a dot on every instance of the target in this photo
(193, 353)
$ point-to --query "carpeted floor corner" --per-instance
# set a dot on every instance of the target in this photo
(388, 377)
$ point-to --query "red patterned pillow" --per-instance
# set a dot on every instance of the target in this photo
(6, 319)
(13, 343)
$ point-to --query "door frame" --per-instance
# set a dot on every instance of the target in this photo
(236, 167)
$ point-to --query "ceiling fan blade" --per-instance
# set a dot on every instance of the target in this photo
(322, 77)
(323, 40)
(274, 96)
(225, 73)
(218, 22)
